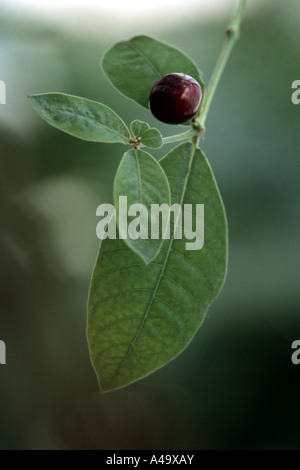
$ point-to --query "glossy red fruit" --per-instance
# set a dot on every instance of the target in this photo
(175, 98)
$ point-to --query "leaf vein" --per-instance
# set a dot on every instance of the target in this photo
(161, 272)
(94, 122)
(146, 60)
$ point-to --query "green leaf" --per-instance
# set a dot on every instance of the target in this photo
(149, 137)
(152, 138)
(139, 127)
(141, 179)
(82, 118)
(134, 66)
(140, 317)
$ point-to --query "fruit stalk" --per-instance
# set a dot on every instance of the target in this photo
(232, 35)
(177, 137)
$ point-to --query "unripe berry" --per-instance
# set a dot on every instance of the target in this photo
(175, 98)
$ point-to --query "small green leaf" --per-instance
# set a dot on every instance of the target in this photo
(82, 118)
(149, 137)
(140, 317)
(138, 128)
(134, 66)
(152, 138)
(141, 179)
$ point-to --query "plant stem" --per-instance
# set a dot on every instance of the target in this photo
(232, 35)
(175, 138)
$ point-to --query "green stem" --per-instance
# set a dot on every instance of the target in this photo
(232, 35)
(175, 138)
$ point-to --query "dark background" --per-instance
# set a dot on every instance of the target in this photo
(235, 387)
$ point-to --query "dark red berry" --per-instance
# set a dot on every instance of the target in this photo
(175, 98)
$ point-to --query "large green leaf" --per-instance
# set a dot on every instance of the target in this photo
(140, 317)
(86, 119)
(142, 180)
(134, 66)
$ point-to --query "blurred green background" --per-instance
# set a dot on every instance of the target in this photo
(235, 387)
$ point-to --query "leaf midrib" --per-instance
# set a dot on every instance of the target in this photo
(146, 60)
(138, 169)
(168, 251)
(95, 122)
